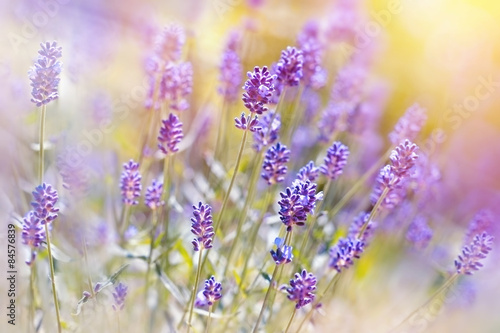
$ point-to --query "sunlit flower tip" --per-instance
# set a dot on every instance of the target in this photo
(44, 75)
(419, 233)
(343, 254)
(302, 288)
(409, 125)
(403, 159)
(357, 225)
(312, 50)
(330, 121)
(211, 293)
(33, 234)
(176, 85)
(119, 296)
(283, 253)
(152, 198)
(387, 179)
(308, 172)
(170, 134)
(297, 202)
(267, 133)
(169, 43)
(274, 165)
(348, 86)
(469, 260)
(481, 222)
(44, 200)
(245, 122)
(258, 90)
(335, 160)
(130, 183)
(289, 67)
(231, 73)
(202, 227)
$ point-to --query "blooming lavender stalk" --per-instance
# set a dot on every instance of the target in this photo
(258, 90)
(409, 126)
(314, 75)
(33, 235)
(230, 75)
(119, 296)
(343, 254)
(170, 134)
(469, 260)
(301, 291)
(308, 172)
(274, 166)
(176, 85)
(283, 253)
(152, 198)
(169, 43)
(270, 125)
(130, 183)
(482, 222)
(289, 67)
(208, 296)
(245, 123)
(44, 75)
(335, 160)
(419, 233)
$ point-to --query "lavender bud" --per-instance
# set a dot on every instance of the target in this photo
(274, 165)
(343, 254)
(258, 90)
(44, 75)
(202, 227)
(170, 134)
(283, 253)
(469, 260)
(335, 160)
(230, 75)
(130, 183)
(243, 123)
(308, 172)
(45, 198)
(119, 295)
(409, 126)
(152, 198)
(289, 67)
(297, 202)
(302, 288)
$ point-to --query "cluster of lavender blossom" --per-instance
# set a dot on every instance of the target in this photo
(301, 204)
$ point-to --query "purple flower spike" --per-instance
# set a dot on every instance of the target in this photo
(297, 202)
(409, 126)
(283, 253)
(119, 295)
(211, 293)
(308, 172)
(314, 75)
(45, 198)
(33, 234)
(469, 260)
(258, 90)
(268, 133)
(403, 159)
(202, 227)
(130, 183)
(387, 179)
(289, 67)
(176, 85)
(419, 233)
(152, 198)
(245, 122)
(357, 225)
(274, 165)
(230, 75)
(482, 222)
(170, 134)
(335, 160)
(170, 42)
(44, 75)
(302, 288)
(343, 254)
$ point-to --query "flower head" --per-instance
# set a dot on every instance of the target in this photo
(335, 160)
(289, 67)
(74, 173)
(44, 75)
(230, 75)
(202, 227)
(267, 133)
(409, 125)
(469, 260)
(312, 50)
(258, 90)
(283, 253)
(33, 234)
(170, 42)
(170, 134)
(119, 295)
(403, 159)
(274, 165)
(302, 288)
(357, 225)
(245, 122)
(481, 222)
(343, 254)
(152, 198)
(130, 183)
(211, 293)
(308, 172)
(419, 233)
(297, 202)
(45, 198)
(176, 85)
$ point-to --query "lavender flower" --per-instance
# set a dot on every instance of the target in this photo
(274, 168)
(308, 172)
(386, 179)
(302, 288)
(409, 126)
(73, 172)
(419, 233)
(130, 183)
(202, 227)
(211, 293)
(45, 198)
(33, 234)
(482, 222)
(268, 133)
(289, 67)
(343, 254)
(152, 198)
(469, 260)
(176, 85)
(403, 159)
(170, 42)
(314, 75)
(348, 86)
(230, 75)
(297, 201)
(283, 253)
(44, 74)
(170, 134)
(335, 160)
(357, 225)
(258, 90)
(119, 295)
(245, 122)
(330, 121)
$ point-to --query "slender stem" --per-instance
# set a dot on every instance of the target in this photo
(85, 257)
(193, 294)
(375, 209)
(42, 149)
(295, 117)
(291, 319)
(151, 247)
(207, 329)
(31, 326)
(265, 299)
(165, 211)
(118, 321)
(221, 133)
(52, 278)
(288, 241)
(124, 220)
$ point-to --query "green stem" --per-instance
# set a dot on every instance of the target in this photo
(221, 133)
(291, 319)
(295, 117)
(151, 247)
(52, 278)
(265, 299)
(42, 149)
(193, 294)
(124, 221)
(207, 329)
(165, 199)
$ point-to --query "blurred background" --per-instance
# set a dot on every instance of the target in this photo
(443, 54)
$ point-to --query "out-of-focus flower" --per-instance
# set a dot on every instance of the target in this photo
(335, 160)
(274, 165)
(344, 21)
(44, 75)
(45, 199)
(308, 172)
(119, 296)
(245, 122)
(33, 234)
(176, 85)
(343, 254)
(297, 201)
(482, 222)
(74, 173)
(409, 125)
(169, 43)
(258, 90)
(130, 183)
(152, 198)
(357, 225)
(283, 253)
(330, 121)
(211, 293)
(230, 75)
(268, 133)
(289, 68)
(386, 179)
(302, 288)
(170, 134)
(202, 227)
(314, 75)
(469, 260)
(419, 233)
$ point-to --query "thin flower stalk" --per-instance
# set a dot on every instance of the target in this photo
(193, 294)
(290, 320)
